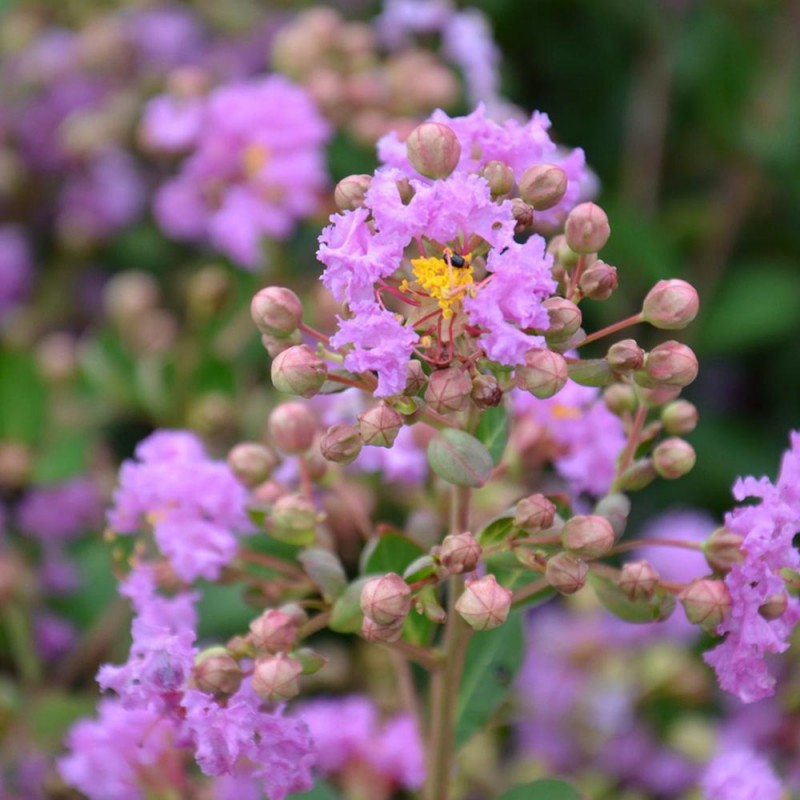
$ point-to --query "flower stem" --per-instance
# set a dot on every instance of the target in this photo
(617, 326)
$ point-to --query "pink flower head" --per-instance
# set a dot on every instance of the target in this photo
(242, 739)
(348, 730)
(117, 754)
(366, 265)
(516, 144)
(767, 529)
(257, 166)
(740, 774)
(194, 504)
(587, 436)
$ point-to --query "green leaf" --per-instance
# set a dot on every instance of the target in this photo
(493, 659)
(755, 305)
(325, 569)
(654, 609)
(62, 459)
(543, 789)
(322, 791)
(498, 530)
(492, 432)
(459, 458)
(419, 568)
(389, 553)
(346, 613)
(23, 398)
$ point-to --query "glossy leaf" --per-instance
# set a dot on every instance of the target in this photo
(493, 660)
(492, 432)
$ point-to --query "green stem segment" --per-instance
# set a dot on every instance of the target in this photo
(446, 681)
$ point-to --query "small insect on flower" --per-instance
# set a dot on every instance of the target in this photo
(453, 259)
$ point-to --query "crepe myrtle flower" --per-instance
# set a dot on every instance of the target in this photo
(464, 278)
(756, 624)
(256, 165)
(195, 505)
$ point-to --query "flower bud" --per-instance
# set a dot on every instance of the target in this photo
(433, 150)
(562, 253)
(616, 508)
(267, 493)
(275, 345)
(565, 318)
(215, 671)
(292, 427)
(638, 475)
(774, 606)
(276, 311)
(543, 186)
(625, 356)
(619, 398)
(57, 357)
(566, 573)
(723, 550)
(252, 463)
(379, 425)
(638, 580)
(706, 602)
(599, 281)
(294, 520)
(341, 444)
(275, 678)
(208, 291)
(350, 191)
(670, 363)
(484, 604)
(460, 552)
(588, 536)
(486, 392)
(274, 631)
(448, 390)
(534, 514)
(385, 634)
(416, 378)
(310, 661)
(523, 215)
(16, 463)
(386, 599)
(679, 417)
(671, 305)
(543, 374)
(587, 229)
(129, 295)
(673, 458)
(499, 176)
(299, 370)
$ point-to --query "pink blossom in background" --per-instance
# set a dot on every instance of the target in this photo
(195, 505)
(257, 168)
(767, 528)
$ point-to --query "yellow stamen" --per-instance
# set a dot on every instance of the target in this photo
(254, 157)
(560, 411)
(443, 282)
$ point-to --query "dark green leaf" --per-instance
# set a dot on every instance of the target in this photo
(459, 458)
(389, 553)
(498, 530)
(320, 792)
(23, 401)
(654, 609)
(543, 789)
(492, 432)
(493, 659)
(346, 613)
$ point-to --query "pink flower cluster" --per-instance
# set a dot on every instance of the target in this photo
(195, 505)
(364, 252)
(347, 731)
(256, 165)
(142, 737)
(767, 529)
